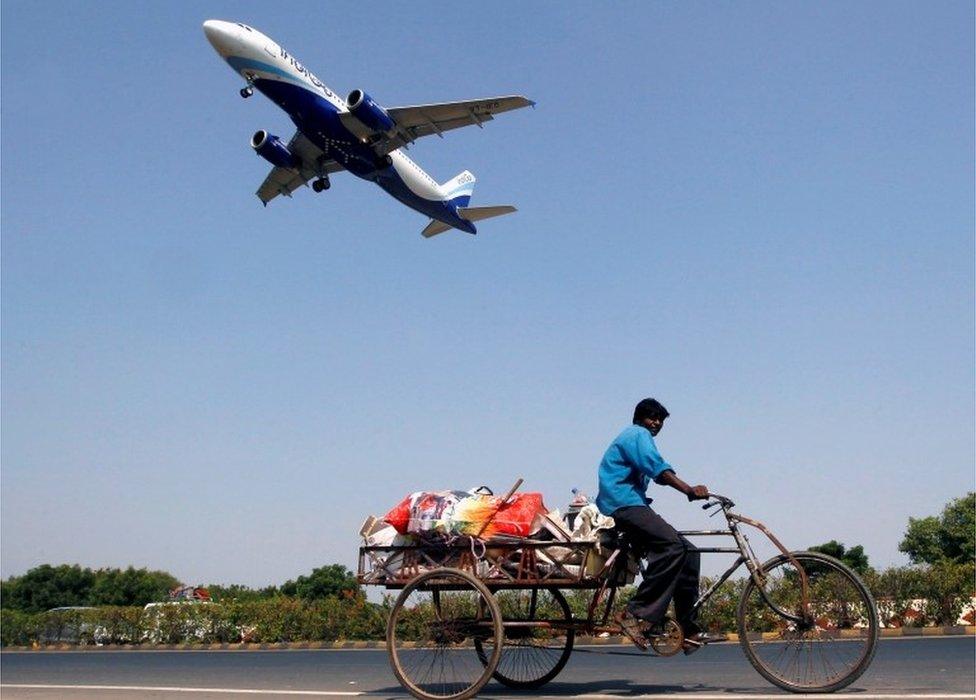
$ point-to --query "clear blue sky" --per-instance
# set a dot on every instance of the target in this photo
(761, 214)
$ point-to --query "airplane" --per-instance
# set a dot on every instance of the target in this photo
(355, 134)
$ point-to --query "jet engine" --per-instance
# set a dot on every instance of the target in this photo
(270, 147)
(368, 112)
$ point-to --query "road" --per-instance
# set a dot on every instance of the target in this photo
(910, 668)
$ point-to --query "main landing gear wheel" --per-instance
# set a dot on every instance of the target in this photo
(383, 162)
(247, 92)
(321, 184)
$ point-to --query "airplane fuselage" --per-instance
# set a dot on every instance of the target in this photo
(315, 110)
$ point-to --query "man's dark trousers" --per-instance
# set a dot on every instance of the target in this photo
(672, 567)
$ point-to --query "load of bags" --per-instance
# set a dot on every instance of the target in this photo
(467, 513)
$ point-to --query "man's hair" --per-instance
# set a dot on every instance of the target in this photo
(649, 408)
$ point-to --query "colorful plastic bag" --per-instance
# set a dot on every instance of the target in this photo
(463, 513)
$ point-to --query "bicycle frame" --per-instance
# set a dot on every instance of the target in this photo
(746, 556)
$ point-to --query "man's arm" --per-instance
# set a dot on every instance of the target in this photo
(669, 478)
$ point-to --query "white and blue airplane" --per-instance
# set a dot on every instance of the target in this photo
(355, 134)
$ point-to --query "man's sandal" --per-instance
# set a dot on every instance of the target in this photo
(631, 628)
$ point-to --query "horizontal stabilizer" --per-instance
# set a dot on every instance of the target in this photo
(469, 214)
(435, 227)
(479, 213)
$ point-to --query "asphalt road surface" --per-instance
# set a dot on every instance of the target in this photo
(907, 668)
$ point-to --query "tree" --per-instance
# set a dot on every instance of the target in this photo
(854, 557)
(333, 580)
(45, 587)
(131, 586)
(240, 593)
(948, 537)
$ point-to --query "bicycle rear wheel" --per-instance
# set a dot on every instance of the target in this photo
(431, 634)
(533, 654)
(834, 643)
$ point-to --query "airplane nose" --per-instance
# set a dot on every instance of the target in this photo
(223, 36)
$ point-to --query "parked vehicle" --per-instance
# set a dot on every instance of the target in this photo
(67, 625)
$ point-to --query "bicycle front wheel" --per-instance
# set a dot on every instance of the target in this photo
(834, 642)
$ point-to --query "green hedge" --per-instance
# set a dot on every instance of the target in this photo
(906, 596)
(944, 588)
(922, 596)
(276, 620)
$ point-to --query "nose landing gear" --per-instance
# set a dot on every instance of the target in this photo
(247, 92)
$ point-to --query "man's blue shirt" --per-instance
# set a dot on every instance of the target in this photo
(628, 466)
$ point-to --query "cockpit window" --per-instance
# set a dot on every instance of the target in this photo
(244, 26)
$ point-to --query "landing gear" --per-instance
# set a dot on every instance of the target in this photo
(321, 184)
(247, 92)
(383, 162)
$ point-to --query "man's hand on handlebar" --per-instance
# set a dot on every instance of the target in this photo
(694, 493)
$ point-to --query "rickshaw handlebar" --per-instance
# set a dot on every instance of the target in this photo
(714, 499)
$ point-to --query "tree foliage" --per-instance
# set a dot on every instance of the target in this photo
(949, 537)
(855, 558)
(240, 593)
(45, 587)
(131, 586)
(331, 581)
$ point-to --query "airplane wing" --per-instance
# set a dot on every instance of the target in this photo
(424, 120)
(314, 163)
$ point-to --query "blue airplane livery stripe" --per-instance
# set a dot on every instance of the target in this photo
(240, 63)
(460, 188)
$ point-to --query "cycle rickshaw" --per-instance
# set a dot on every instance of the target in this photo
(470, 610)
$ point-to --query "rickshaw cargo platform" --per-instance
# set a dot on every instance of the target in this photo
(499, 563)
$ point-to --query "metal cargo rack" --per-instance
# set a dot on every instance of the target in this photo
(498, 563)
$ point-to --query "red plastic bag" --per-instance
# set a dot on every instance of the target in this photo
(516, 516)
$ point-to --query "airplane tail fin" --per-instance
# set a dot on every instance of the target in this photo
(458, 189)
